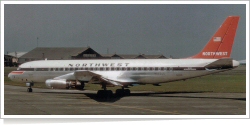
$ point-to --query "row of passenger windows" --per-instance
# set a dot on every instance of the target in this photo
(100, 69)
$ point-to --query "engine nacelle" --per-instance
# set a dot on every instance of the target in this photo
(64, 84)
(58, 83)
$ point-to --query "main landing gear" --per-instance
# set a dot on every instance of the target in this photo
(104, 93)
(29, 85)
(122, 92)
(108, 93)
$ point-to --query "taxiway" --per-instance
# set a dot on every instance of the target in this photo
(74, 102)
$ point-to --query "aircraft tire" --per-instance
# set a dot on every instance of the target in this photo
(126, 92)
(29, 90)
(82, 86)
(119, 92)
(122, 92)
(109, 93)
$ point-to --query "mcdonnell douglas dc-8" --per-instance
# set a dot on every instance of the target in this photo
(65, 74)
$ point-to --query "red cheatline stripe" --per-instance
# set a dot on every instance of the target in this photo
(17, 72)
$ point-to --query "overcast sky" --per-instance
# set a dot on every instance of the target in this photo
(177, 30)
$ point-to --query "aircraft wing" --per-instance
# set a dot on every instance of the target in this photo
(97, 78)
(68, 76)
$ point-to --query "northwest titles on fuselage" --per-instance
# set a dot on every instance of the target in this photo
(99, 65)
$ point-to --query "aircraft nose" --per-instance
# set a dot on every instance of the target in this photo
(9, 75)
(235, 63)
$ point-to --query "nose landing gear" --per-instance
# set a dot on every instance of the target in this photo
(29, 85)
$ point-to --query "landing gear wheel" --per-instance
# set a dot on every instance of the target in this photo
(30, 86)
(119, 92)
(82, 85)
(126, 92)
(29, 90)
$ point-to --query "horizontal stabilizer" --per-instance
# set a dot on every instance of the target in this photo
(223, 63)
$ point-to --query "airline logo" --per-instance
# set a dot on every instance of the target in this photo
(214, 53)
(99, 64)
(217, 39)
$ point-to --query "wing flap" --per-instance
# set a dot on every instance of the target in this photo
(110, 81)
(69, 76)
(97, 78)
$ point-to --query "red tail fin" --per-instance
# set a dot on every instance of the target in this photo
(220, 45)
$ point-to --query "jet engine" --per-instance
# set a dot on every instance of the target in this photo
(63, 84)
(58, 83)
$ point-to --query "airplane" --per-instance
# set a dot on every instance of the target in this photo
(65, 74)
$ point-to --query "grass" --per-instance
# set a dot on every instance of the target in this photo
(233, 81)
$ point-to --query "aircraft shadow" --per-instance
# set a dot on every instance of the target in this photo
(177, 96)
(115, 97)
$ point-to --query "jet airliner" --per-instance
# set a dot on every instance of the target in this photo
(65, 74)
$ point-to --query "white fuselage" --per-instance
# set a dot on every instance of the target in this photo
(126, 71)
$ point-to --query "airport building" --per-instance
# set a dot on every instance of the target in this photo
(71, 53)
(11, 59)
(59, 53)
(131, 56)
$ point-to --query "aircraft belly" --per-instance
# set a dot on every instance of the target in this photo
(163, 77)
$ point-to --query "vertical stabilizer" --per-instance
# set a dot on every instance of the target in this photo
(220, 45)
